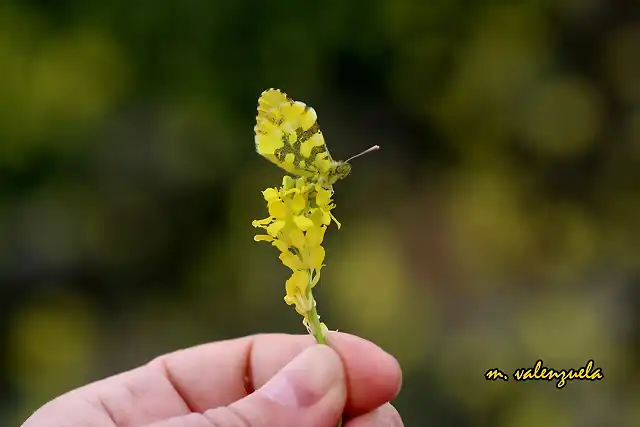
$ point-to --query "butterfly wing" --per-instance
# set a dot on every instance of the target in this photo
(287, 134)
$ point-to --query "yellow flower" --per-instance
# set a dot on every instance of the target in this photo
(299, 213)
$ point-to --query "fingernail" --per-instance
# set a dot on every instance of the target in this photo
(306, 379)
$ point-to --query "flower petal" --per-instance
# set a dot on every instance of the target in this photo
(302, 222)
(261, 222)
(275, 228)
(288, 182)
(270, 194)
(315, 235)
(316, 257)
(297, 238)
(285, 194)
(277, 209)
(301, 183)
(292, 261)
(297, 203)
(289, 299)
(281, 245)
(297, 283)
(326, 217)
(324, 197)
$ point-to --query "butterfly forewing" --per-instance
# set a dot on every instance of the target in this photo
(287, 134)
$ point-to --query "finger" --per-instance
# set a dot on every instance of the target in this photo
(384, 416)
(220, 373)
(308, 391)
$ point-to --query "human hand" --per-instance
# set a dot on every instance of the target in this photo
(296, 383)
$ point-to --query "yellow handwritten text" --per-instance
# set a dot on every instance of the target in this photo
(495, 374)
(539, 372)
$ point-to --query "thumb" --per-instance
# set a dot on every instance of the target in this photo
(309, 391)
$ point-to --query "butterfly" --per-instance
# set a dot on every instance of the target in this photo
(287, 134)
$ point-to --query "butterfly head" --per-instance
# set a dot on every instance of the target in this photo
(339, 171)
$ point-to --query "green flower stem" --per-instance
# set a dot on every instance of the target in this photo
(314, 322)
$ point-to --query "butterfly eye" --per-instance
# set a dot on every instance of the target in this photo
(344, 169)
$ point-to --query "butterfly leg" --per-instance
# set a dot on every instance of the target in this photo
(321, 183)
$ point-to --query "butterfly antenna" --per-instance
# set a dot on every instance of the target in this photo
(368, 150)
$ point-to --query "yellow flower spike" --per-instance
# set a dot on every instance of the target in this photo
(286, 133)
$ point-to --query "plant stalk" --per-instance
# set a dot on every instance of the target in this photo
(316, 328)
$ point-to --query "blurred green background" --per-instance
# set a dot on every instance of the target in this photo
(497, 225)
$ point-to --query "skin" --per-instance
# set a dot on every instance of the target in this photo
(222, 384)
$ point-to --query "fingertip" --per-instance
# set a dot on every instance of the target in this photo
(374, 376)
